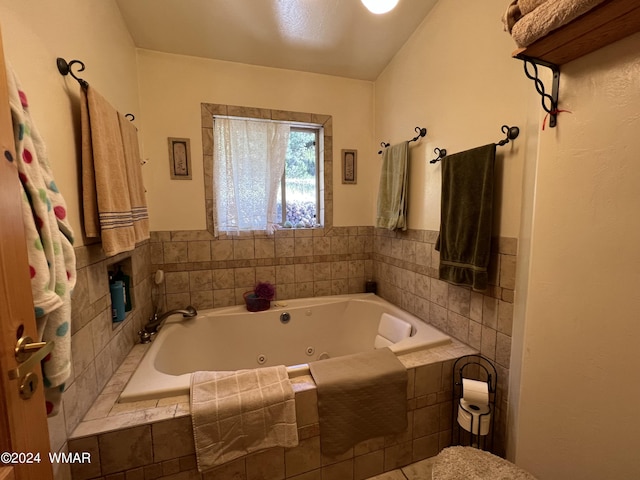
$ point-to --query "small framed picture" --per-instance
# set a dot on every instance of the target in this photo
(349, 166)
(179, 158)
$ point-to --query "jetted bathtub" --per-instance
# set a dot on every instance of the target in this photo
(291, 333)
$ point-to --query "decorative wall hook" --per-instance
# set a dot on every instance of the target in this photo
(440, 152)
(65, 69)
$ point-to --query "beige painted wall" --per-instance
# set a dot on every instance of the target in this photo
(579, 392)
(93, 32)
(456, 78)
(171, 90)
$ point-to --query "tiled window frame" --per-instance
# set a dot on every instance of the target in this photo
(208, 110)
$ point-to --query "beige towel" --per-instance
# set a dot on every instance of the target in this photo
(105, 185)
(518, 9)
(547, 17)
(360, 396)
(134, 176)
(237, 413)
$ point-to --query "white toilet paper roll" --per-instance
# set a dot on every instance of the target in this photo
(474, 418)
(475, 391)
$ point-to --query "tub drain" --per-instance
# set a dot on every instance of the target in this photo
(261, 358)
(310, 351)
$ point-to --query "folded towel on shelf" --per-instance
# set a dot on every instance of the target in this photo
(360, 396)
(52, 261)
(547, 17)
(391, 330)
(393, 191)
(237, 413)
(466, 217)
(518, 9)
(106, 189)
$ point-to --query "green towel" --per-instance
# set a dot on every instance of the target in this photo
(466, 217)
(392, 195)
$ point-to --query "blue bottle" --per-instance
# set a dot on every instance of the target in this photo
(117, 300)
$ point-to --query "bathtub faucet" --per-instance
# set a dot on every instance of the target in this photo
(156, 321)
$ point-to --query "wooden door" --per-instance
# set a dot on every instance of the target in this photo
(23, 423)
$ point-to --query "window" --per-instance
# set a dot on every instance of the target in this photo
(299, 197)
(299, 192)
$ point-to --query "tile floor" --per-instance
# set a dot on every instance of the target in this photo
(416, 471)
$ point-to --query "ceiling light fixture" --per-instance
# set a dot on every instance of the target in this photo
(380, 6)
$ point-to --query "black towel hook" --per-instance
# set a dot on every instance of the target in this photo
(65, 69)
(440, 152)
(511, 133)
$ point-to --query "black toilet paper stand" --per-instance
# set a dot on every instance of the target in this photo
(473, 367)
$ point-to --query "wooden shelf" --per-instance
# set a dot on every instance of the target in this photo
(607, 23)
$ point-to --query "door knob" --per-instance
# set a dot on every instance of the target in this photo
(29, 354)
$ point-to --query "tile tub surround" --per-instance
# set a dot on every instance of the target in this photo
(214, 272)
(153, 439)
(406, 268)
(98, 345)
(210, 272)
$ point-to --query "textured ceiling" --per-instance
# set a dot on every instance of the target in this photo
(334, 37)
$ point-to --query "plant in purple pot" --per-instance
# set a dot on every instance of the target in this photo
(260, 298)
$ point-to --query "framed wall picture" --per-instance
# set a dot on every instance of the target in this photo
(179, 158)
(349, 166)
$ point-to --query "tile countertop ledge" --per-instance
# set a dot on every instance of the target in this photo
(107, 415)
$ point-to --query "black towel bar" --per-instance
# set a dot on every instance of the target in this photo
(510, 132)
(420, 131)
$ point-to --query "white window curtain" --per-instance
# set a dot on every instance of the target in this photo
(248, 163)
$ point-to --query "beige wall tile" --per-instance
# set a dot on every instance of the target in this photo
(244, 277)
(265, 248)
(268, 464)
(176, 282)
(125, 449)
(428, 379)
(368, 465)
(224, 298)
(439, 292)
(338, 471)
(505, 317)
(232, 470)
(339, 245)
(303, 246)
(243, 249)
(175, 252)
(285, 247)
(304, 457)
(223, 279)
(303, 272)
(172, 439)
(285, 274)
(488, 346)
(82, 471)
(508, 271)
(460, 299)
(490, 312)
(201, 280)
(397, 456)
(221, 250)
(199, 251)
